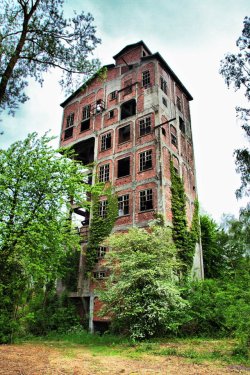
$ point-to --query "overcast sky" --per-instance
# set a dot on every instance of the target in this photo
(192, 36)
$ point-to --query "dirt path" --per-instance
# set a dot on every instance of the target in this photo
(30, 359)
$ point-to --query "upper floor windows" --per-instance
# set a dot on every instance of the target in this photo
(113, 95)
(128, 109)
(182, 125)
(124, 134)
(145, 160)
(146, 78)
(164, 85)
(128, 87)
(145, 126)
(123, 167)
(103, 208)
(146, 200)
(178, 103)
(123, 205)
(85, 123)
(68, 133)
(173, 134)
(106, 142)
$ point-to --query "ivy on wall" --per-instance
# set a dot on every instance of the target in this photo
(185, 239)
(100, 227)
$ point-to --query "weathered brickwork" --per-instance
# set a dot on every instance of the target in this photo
(131, 122)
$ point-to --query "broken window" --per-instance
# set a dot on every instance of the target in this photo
(164, 85)
(99, 275)
(146, 78)
(124, 134)
(111, 114)
(164, 101)
(123, 205)
(68, 133)
(103, 205)
(123, 167)
(85, 123)
(146, 200)
(128, 109)
(113, 95)
(106, 142)
(145, 126)
(101, 252)
(173, 134)
(182, 125)
(128, 87)
(178, 102)
(104, 173)
(145, 160)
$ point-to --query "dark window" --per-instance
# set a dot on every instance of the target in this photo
(124, 134)
(111, 114)
(101, 252)
(106, 141)
(145, 160)
(178, 102)
(164, 101)
(146, 200)
(163, 131)
(123, 205)
(164, 85)
(68, 133)
(182, 125)
(128, 87)
(128, 109)
(113, 95)
(146, 78)
(123, 167)
(103, 205)
(85, 123)
(174, 139)
(99, 275)
(145, 126)
(104, 173)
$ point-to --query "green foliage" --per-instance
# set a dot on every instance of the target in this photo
(184, 239)
(100, 227)
(35, 37)
(35, 230)
(142, 295)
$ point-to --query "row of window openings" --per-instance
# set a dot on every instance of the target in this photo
(146, 203)
(124, 166)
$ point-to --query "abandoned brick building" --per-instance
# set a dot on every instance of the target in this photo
(131, 123)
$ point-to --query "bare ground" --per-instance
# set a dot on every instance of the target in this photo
(38, 359)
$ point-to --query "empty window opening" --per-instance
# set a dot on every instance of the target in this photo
(128, 87)
(145, 126)
(113, 95)
(178, 102)
(124, 134)
(128, 109)
(99, 275)
(106, 142)
(182, 125)
(111, 114)
(101, 252)
(85, 151)
(163, 131)
(164, 85)
(146, 200)
(85, 123)
(146, 78)
(164, 101)
(123, 167)
(68, 133)
(145, 160)
(104, 173)
(144, 53)
(103, 208)
(123, 205)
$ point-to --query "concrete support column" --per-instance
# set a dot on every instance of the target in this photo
(91, 314)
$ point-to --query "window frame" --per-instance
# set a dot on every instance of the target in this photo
(102, 209)
(144, 124)
(101, 252)
(146, 160)
(146, 196)
(164, 85)
(106, 138)
(123, 205)
(104, 173)
(146, 79)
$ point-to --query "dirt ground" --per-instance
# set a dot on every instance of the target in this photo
(37, 359)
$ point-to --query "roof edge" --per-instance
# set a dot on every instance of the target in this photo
(129, 46)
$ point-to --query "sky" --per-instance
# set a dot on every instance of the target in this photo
(192, 36)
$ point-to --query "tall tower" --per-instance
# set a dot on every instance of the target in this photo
(131, 123)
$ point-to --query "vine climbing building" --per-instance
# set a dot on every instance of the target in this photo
(130, 121)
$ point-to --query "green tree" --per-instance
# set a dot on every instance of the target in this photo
(35, 231)
(141, 293)
(236, 71)
(35, 37)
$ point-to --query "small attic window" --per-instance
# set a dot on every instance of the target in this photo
(143, 53)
